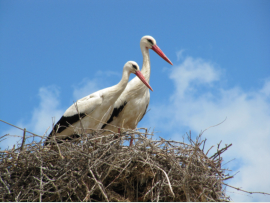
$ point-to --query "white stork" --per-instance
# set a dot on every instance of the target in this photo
(131, 106)
(95, 109)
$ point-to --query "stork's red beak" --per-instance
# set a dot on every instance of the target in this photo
(161, 54)
(140, 75)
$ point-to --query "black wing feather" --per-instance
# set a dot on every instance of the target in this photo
(115, 113)
(64, 122)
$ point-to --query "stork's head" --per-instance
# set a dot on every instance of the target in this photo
(133, 67)
(150, 43)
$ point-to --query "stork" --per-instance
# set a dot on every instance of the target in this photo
(131, 106)
(95, 109)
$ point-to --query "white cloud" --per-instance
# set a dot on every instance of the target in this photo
(42, 116)
(47, 110)
(84, 88)
(179, 54)
(87, 86)
(200, 101)
(266, 88)
(191, 73)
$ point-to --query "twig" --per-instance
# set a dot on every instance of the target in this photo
(17, 197)
(5, 185)
(204, 144)
(151, 189)
(87, 192)
(60, 154)
(213, 126)
(19, 128)
(220, 151)
(41, 183)
(99, 184)
(168, 180)
(119, 174)
(209, 150)
(24, 132)
(264, 193)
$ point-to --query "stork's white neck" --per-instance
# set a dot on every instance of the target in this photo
(119, 88)
(146, 63)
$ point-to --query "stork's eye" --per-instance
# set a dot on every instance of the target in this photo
(134, 67)
(151, 42)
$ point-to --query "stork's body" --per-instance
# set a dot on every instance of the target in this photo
(131, 106)
(96, 108)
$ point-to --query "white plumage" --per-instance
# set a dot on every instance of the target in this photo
(96, 108)
(131, 106)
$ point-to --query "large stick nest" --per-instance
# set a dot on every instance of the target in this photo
(105, 169)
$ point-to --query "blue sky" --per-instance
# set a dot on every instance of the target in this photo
(55, 52)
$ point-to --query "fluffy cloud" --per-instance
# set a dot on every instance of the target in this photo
(84, 88)
(47, 110)
(100, 81)
(42, 116)
(266, 88)
(191, 73)
(200, 101)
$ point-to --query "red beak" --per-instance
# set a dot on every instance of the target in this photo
(161, 54)
(140, 75)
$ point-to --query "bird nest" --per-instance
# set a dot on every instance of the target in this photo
(106, 169)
